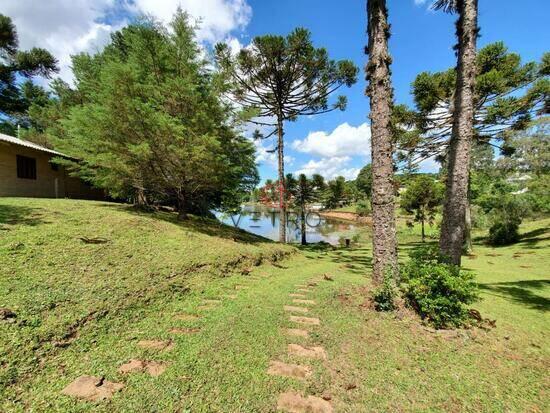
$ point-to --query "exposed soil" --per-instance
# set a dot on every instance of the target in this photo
(186, 330)
(158, 345)
(293, 402)
(294, 309)
(315, 352)
(296, 332)
(92, 388)
(135, 366)
(305, 320)
(278, 368)
(346, 216)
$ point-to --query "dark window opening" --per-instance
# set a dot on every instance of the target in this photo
(55, 167)
(26, 167)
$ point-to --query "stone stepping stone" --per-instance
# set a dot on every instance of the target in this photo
(278, 368)
(92, 388)
(154, 368)
(309, 352)
(293, 309)
(241, 287)
(305, 320)
(300, 301)
(297, 295)
(231, 296)
(296, 332)
(300, 285)
(186, 317)
(212, 301)
(159, 345)
(293, 402)
(186, 330)
(303, 290)
(312, 284)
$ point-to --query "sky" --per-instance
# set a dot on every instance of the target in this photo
(332, 144)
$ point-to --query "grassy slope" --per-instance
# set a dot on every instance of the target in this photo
(377, 362)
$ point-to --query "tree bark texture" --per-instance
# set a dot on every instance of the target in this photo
(380, 92)
(281, 160)
(456, 197)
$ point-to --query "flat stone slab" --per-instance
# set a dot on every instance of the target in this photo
(295, 295)
(137, 366)
(300, 285)
(184, 330)
(309, 352)
(92, 388)
(231, 296)
(241, 287)
(293, 402)
(301, 301)
(305, 320)
(296, 332)
(206, 307)
(278, 368)
(159, 345)
(186, 317)
(303, 290)
(294, 309)
(211, 301)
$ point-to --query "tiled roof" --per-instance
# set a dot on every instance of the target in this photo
(27, 144)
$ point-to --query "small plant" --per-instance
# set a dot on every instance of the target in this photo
(385, 296)
(438, 291)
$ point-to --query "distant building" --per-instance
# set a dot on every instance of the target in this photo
(26, 170)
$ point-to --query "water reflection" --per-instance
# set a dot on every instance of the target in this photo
(265, 222)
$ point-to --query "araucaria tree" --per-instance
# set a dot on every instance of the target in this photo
(422, 198)
(456, 196)
(149, 122)
(282, 78)
(15, 64)
(380, 93)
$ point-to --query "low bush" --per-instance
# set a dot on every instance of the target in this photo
(506, 220)
(363, 208)
(385, 296)
(438, 291)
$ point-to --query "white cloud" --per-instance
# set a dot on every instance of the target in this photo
(345, 140)
(429, 165)
(217, 17)
(68, 27)
(420, 2)
(63, 27)
(329, 168)
(263, 156)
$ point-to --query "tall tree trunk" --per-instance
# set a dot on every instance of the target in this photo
(456, 196)
(423, 232)
(380, 92)
(182, 206)
(282, 205)
(303, 224)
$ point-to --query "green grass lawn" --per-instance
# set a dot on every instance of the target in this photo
(81, 309)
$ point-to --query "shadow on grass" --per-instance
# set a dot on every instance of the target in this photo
(20, 215)
(204, 225)
(520, 292)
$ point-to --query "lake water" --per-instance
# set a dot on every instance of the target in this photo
(265, 222)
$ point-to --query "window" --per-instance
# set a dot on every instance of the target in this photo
(55, 167)
(26, 167)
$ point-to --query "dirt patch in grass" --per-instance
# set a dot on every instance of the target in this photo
(305, 320)
(293, 402)
(158, 345)
(153, 368)
(294, 309)
(296, 332)
(92, 388)
(315, 352)
(295, 371)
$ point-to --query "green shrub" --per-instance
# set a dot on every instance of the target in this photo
(504, 233)
(385, 295)
(438, 291)
(506, 220)
(363, 208)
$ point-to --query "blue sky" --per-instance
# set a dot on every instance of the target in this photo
(330, 144)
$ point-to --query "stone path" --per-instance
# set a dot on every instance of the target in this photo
(291, 401)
